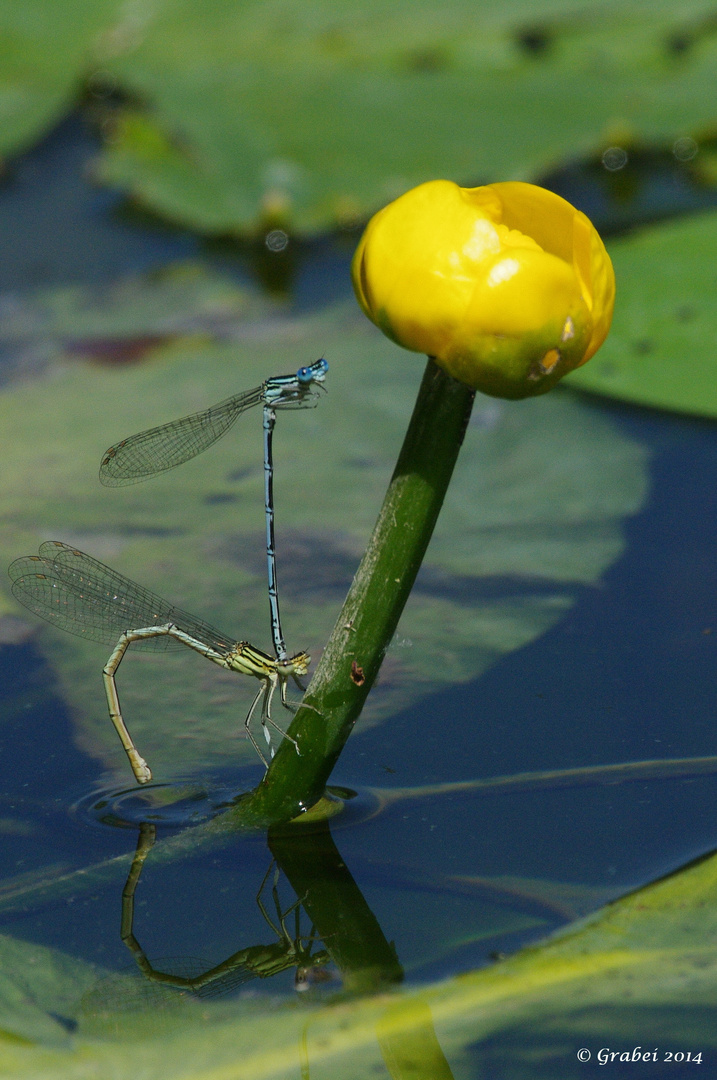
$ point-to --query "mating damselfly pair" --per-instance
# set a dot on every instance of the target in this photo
(77, 593)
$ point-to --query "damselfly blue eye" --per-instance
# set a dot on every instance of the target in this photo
(314, 371)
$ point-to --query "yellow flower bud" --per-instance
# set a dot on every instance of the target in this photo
(507, 286)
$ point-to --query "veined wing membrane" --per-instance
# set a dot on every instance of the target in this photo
(163, 447)
(81, 595)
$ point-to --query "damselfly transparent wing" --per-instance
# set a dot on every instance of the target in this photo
(164, 447)
(81, 595)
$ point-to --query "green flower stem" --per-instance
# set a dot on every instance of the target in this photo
(368, 620)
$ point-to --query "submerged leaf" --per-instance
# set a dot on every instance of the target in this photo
(40, 989)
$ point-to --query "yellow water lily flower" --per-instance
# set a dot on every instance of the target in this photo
(507, 286)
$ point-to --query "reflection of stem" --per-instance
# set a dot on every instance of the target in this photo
(304, 1053)
(336, 907)
(407, 1040)
(375, 602)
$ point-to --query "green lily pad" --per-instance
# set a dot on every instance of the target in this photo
(313, 114)
(660, 350)
(179, 299)
(525, 522)
(45, 50)
(317, 112)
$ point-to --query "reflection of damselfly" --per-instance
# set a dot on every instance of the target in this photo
(81, 595)
(290, 950)
(160, 448)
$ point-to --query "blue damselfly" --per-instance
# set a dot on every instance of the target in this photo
(160, 448)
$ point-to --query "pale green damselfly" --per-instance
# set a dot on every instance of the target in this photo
(77, 593)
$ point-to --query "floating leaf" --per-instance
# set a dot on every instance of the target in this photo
(180, 299)
(44, 52)
(221, 149)
(314, 113)
(660, 350)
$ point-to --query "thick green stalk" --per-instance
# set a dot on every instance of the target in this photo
(368, 619)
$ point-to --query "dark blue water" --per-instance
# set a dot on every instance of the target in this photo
(627, 674)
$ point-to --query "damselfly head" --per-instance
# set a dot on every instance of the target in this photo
(314, 372)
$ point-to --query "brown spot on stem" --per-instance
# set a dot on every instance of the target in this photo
(357, 675)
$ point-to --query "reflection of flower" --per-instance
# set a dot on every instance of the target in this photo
(508, 286)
